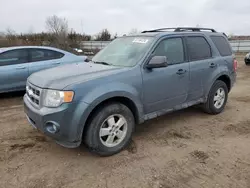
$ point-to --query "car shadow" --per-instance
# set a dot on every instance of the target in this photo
(8, 100)
(12, 95)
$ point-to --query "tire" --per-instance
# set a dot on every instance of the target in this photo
(211, 106)
(104, 119)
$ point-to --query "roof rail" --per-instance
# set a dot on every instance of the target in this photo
(194, 29)
(179, 29)
(156, 30)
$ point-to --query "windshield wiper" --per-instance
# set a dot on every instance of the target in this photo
(102, 62)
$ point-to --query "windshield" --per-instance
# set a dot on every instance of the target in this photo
(125, 52)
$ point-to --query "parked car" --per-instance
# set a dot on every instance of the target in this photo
(247, 59)
(78, 50)
(18, 63)
(134, 79)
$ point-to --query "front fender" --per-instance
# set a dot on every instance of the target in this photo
(104, 92)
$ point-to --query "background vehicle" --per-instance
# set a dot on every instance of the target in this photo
(247, 59)
(17, 63)
(133, 79)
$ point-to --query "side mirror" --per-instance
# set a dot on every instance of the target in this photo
(157, 62)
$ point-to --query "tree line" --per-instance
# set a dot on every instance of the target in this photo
(57, 35)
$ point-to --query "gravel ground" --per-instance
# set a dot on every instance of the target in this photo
(183, 149)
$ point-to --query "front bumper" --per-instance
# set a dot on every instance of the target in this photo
(68, 121)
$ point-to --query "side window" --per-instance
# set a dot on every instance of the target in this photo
(171, 48)
(13, 57)
(54, 54)
(38, 55)
(222, 45)
(198, 48)
(43, 55)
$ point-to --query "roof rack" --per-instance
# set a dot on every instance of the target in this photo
(179, 29)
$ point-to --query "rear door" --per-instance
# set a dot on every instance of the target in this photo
(201, 64)
(43, 59)
(13, 70)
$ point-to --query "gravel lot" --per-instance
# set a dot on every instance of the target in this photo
(182, 149)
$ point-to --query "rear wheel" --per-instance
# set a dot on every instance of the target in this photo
(217, 98)
(110, 129)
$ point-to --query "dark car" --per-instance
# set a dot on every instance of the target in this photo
(247, 59)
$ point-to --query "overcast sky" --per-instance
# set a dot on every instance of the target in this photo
(90, 16)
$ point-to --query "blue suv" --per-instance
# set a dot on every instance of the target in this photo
(134, 79)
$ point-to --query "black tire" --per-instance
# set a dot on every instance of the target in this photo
(209, 106)
(247, 62)
(92, 137)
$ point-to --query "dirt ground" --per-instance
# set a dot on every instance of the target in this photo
(183, 149)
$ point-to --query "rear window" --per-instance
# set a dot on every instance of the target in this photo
(198, 48)
(222, 45)
(44, 54)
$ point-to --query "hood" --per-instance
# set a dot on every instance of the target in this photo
(62, 76)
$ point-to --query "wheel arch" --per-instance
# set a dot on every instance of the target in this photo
(223, 77)
(226, 79)
(135, 108)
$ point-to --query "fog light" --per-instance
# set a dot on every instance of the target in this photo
(52, 127)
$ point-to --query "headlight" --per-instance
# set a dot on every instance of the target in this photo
(54, 98)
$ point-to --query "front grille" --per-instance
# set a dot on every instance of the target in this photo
(34, 94)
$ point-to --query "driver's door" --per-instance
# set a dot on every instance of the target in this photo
(166, 87)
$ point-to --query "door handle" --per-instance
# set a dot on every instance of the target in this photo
(212, 65)
(19, 68)
(56, 63)
(181, 71)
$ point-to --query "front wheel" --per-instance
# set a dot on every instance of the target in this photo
(110, 129)
(217, 98)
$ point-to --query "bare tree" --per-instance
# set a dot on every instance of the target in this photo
(10, 34)
(57, 25)
(10, 31)
(59, 28)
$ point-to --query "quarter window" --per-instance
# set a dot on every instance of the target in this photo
(222, 45)
(43, 55)
(198, 48)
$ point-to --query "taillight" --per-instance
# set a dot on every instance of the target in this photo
(235, 65)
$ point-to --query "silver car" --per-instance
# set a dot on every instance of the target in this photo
(18, 63)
